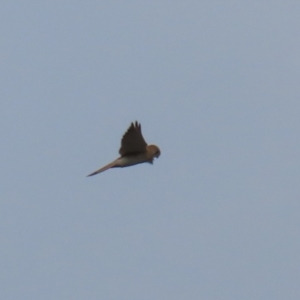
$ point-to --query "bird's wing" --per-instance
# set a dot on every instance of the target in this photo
(133, 141)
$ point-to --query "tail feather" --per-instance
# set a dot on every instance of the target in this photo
(111, 165)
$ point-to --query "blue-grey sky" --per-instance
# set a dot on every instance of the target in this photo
(215, 85)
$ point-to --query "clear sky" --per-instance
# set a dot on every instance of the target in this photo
(215, 84)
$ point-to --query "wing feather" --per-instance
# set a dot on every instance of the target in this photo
(133, 141)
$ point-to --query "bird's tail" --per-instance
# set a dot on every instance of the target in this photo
(111, 165)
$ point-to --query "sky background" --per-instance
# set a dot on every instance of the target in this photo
(215, 85)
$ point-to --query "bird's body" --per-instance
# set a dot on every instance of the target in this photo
(134, 150)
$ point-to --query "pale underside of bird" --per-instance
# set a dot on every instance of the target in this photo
(134, 150)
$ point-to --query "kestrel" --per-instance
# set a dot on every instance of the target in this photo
(134, 150)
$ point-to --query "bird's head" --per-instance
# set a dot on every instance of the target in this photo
(154, 150)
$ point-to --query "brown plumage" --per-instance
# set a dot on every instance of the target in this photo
(134, 150)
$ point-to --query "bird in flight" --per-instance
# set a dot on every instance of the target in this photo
(134, 150)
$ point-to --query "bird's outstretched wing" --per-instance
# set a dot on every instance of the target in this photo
(133, 141)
